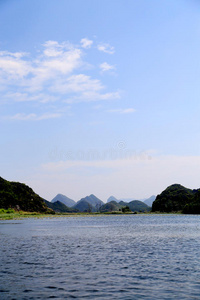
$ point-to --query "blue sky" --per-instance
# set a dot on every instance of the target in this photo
(100, 96)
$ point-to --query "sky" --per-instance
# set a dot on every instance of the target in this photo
(100, 97)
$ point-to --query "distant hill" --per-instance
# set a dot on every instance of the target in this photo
(92, 199)
(60, 207)
(89, 203)
(84, 206)
(110, 206)
(149, 200)
(21, 197)
(135, 206)
(177, 198)
(64, 199)
(112, 198)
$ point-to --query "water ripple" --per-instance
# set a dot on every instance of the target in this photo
(116, 257)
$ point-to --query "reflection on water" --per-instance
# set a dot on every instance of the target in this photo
(103, 257)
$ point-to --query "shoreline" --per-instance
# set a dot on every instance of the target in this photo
(23, 215)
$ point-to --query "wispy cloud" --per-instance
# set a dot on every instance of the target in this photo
(13, 66)
(83, 88)
(78, 84)
(53, 74)
(32, 117)
(122, 110)
(37, 73)
(106, 67)
(106, 48)
(26, 97)
(86, 43)
(93, 96)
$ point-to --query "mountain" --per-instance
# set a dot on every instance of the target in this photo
(177, 198)
(19, 196)
(89, 203)
(84, 206)
(149, 200)
(92, 199)
(60, 207)
(136, 205)
(110, 206)
(112, 198)
(64, 199)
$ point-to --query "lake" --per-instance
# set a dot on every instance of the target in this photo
(101, 257)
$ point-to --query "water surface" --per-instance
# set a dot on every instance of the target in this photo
(101, 257)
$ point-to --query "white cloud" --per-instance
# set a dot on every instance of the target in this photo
(35, 74)
(106, 67)
(122, 111)
(63, 63)
(84, 88)
(50, 71)
(106, 48)
(78, 84)
(13, 66)
(56, 63)
(25, 97)
(92, 96)
(86, 43)
(54, 74)
(33, 117)
(53, 48)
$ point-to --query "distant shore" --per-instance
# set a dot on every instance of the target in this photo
(17, 215)
(14, 215)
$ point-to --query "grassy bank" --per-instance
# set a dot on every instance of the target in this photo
(11, 214)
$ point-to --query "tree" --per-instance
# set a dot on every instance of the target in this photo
(126, 209)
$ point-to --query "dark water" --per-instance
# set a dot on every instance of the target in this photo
(103, 257)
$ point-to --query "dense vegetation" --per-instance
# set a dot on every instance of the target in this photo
(110, 206)
(134, 206)
(19, 196)
(194, 206)
(178, 198)
(60, 207)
